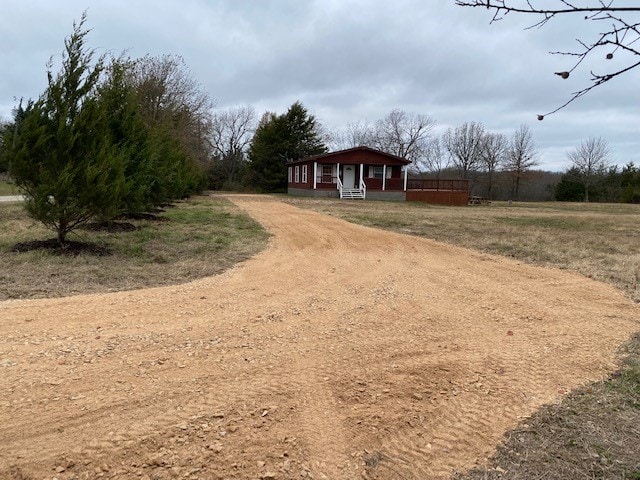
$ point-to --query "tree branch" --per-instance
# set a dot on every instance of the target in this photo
(501, 6)
(598, 80)
(622, 35)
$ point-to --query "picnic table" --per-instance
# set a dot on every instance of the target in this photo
(476, 200)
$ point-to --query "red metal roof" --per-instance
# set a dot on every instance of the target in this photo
(340, 156)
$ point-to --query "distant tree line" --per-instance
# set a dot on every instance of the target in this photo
(592, 177)
(498, 167)
(613, 185)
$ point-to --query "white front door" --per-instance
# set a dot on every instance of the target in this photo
(349, 176)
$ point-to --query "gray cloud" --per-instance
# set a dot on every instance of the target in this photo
(347, 61)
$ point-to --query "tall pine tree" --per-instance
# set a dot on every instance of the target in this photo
(280, 139)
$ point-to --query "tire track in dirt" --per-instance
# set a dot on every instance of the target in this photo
(339, 352)
(476, 409)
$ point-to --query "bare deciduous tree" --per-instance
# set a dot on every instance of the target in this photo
(356, 134)
(166, 86)
(170, 96)
(434, 159)
(231, 134)
(591, 160)
(464, 145)
(619, 38)
(399, 133)
(403, 134)
(521, 156)
(232, 130)
(494, 150)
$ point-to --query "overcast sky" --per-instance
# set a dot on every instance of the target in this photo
(347, 61)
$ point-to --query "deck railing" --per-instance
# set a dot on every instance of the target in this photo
(437, 184)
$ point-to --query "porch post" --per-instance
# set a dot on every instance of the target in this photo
(315, 174)
(384, 177)
(405, 177)
(361, 174)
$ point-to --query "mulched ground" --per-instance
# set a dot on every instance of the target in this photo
(147, 216)
(111, 227)
(71, 248)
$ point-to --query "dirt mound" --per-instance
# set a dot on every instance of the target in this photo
(339, 352)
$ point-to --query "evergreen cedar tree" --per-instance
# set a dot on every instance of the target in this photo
(58, 155)
(84, 151)
(608, 186)
(4, 162)
(280, 139)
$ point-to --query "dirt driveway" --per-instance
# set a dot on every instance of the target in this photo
(340, 352)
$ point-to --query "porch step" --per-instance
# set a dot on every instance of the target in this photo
(352, 194)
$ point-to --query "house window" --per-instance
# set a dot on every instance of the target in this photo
(304, 173)
(327, 173)
(389, 170)
(290, 174)
(297, 174)
(375, 171)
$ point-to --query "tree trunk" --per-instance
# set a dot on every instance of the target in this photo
(516, 188)
(62, 235)
(586, 192)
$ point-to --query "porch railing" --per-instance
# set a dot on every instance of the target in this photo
(394, 184)
(326, 178)
(363, 188)
(326, 181)
(339, 183)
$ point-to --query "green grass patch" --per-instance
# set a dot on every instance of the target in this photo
(200, 237)
(380, 222)
(7, 188)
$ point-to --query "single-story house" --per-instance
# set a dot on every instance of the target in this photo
(359, 172)
(363, 172)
